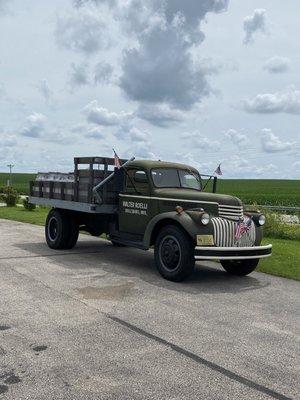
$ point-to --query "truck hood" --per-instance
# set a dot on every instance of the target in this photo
(190, 194)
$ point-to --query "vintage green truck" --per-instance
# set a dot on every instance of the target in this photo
(148, 204)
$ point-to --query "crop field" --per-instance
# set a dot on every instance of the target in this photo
(274, 192)
(259, 191)
(20, 181)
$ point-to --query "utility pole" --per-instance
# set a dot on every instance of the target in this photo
(10, 166)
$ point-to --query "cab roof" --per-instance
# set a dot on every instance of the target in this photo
(149, 164)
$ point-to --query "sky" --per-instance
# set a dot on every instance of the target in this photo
(201, 82)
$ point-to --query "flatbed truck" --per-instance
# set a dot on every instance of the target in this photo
(145, 204)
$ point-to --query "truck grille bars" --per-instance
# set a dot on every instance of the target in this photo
(231, 212)
(224, 234)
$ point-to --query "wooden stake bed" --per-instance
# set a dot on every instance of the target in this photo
(78, 195)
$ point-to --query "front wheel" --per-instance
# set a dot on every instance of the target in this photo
(239, 267)
(174, 253)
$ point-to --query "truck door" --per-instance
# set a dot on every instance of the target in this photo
(135, 205)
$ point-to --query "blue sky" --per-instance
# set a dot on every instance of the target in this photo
(200, 82)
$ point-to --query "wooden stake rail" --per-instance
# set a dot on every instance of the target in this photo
(81, 190)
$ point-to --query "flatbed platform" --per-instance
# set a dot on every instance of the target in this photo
(75, 205)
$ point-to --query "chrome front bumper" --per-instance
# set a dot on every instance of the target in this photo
(232, 253)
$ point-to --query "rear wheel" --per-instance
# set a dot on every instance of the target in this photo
(174, 253)
(240, 267)
(61, 230)
(73, 233)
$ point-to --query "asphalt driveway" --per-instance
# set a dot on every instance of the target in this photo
(98, 322)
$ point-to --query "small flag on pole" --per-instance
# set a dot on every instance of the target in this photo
(242, 227)
(117, 160)
(218, 170)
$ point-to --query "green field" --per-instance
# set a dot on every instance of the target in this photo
(20, 181)
(259, 191)
(263, 191)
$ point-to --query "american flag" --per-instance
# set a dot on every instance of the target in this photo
(117, 160)
(218, 170)
(243, 226)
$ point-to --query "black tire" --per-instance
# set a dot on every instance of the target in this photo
(240, 267)
(73, 233)
(61, 231)
(174, 253)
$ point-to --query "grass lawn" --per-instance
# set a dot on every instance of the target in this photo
(284, 262)
(36, 217)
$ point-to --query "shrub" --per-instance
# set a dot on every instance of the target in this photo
(28, 206)
(277, 229)
(10, 196)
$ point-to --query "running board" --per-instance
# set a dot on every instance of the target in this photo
(130, 243)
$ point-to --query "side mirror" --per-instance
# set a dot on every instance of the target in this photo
(140, 177)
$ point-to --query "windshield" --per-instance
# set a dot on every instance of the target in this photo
(175, 178)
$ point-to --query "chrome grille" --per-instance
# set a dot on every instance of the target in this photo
(224, 234)
(231, 212)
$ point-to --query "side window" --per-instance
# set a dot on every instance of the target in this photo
(137, 181)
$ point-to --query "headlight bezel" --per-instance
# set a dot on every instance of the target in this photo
(205, 218)
(261, 220)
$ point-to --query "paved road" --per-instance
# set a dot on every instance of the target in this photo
(98, 322)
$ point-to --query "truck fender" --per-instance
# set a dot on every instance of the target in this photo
(184, 220)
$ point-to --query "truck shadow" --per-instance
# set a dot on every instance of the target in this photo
(93, 256)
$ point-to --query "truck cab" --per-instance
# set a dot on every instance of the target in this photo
(166, 206)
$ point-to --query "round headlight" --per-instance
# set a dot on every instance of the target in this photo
(205, 218)
(261, 220)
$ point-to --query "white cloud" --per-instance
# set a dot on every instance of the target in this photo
(95, 133)
(101, 116)
(34, 126)
(161, 69)
(286, 101)
(2, 90)
(83, 30)
(196, 141)
(7, 140)
(277, 65)
(59, 136)
(80, 3)
(37, 127)
(78, 76)
(140, 144)
(141, 150)
(159, 114)
(103, 73)
(272, 144)
(44, 88)
(254, 23)
(4, 6)
(238, 138)
(238, 167)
